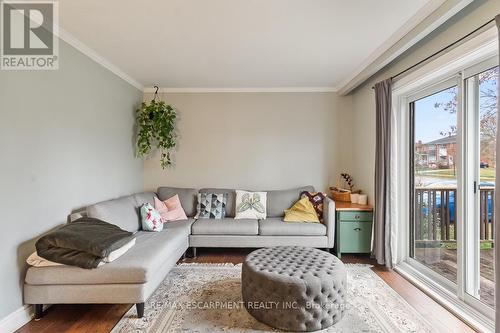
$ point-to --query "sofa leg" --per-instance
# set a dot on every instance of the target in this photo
(38, 309)
(140, 309)
(194, 252)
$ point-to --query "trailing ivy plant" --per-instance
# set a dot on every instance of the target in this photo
(156, 130)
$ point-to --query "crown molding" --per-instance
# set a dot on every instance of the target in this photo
(242, 90)
(92, 54)
(426, 20)
(67, 37)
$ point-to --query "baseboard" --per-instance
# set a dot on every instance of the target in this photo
(16, 319)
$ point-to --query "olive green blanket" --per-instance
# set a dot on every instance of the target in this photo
(83, 243)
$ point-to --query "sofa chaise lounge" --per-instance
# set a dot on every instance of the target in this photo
(133, 277)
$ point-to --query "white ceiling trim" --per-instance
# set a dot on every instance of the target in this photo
(242, 90)
(92, 54)
(411, 33)
(419, 16)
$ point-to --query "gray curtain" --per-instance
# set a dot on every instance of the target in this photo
(382, 222)
(497, 207)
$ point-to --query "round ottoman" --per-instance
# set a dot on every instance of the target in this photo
(294, 288)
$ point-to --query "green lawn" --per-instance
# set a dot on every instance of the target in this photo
(483, 245)
(487, 174)
(451, 245)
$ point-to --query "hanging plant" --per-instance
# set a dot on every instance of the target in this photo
(156, 129)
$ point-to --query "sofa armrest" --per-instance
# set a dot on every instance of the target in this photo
(329, 220)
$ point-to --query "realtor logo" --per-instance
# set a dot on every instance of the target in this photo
(29, 35)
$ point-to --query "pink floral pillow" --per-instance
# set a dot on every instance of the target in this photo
(170, 209)
(151, 219)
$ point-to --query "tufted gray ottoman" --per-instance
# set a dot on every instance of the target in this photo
(294, 288)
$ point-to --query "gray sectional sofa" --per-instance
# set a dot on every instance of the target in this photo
(262, 233)
(133, 277)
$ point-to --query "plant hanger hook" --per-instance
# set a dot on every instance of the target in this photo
(156, 92)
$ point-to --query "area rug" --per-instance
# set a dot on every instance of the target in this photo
(207, 298)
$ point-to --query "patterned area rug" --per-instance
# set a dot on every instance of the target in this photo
(207, 298)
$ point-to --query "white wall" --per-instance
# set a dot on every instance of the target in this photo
(362, 163)
(255, 140)
(65, 142)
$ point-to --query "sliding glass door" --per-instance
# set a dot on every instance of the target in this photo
(452, 129)
(434, 177)
(481, 87)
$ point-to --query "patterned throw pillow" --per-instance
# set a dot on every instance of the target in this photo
(151, 219)
(251, 205)
(317, 199)
(211, 206)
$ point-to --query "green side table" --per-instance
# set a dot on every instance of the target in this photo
(353, 228)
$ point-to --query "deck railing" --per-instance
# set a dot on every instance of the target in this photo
(487, 212)
(435, 213)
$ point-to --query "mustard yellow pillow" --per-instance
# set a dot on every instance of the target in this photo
(301, 211)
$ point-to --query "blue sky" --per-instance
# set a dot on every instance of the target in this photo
(430, 121)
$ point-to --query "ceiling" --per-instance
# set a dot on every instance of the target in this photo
(238, 43)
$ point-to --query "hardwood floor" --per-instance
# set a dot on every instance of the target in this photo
(100, 318)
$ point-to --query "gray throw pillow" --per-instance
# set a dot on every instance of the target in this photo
(211, 206)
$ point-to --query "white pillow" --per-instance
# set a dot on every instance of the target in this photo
(251, 205)
(119, 252)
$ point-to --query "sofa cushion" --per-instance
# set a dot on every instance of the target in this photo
(279, 200)
(145, 197)
(231, 198)
(185, 225)
(278, 227)
(137, 265)
(187, 197)
(123, 212)
(226, 226)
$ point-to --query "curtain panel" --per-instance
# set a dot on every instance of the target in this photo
(382, 247)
